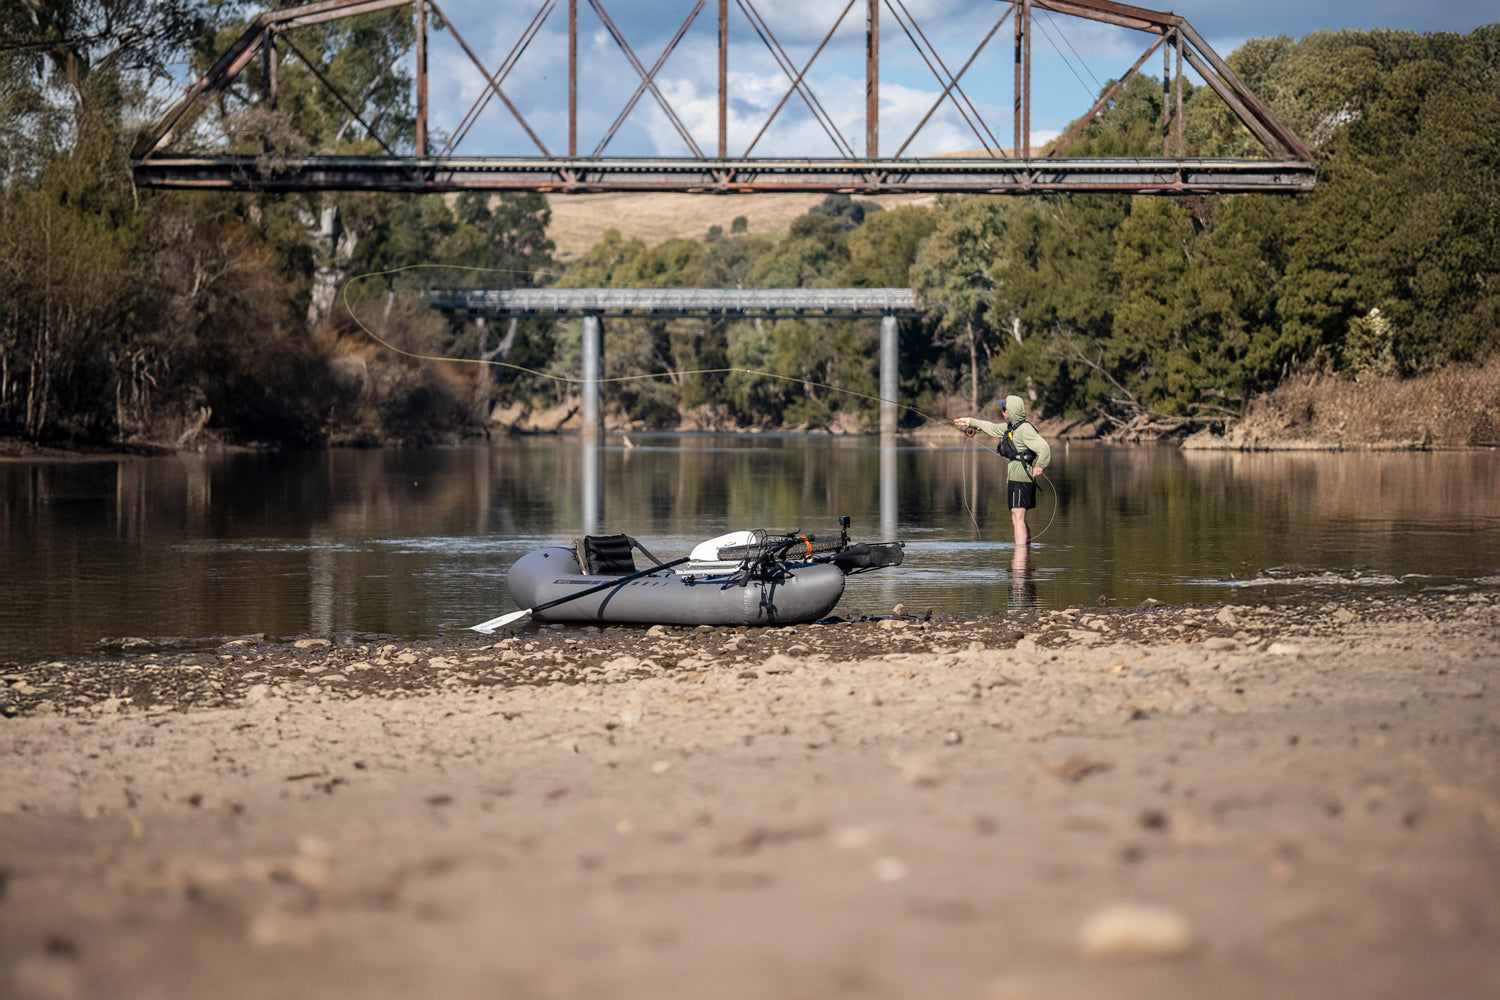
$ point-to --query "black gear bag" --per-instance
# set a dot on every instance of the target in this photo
(1007, 448)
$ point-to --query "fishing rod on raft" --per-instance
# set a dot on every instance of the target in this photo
(968, 432)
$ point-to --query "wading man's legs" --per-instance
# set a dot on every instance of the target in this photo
(1018, 524)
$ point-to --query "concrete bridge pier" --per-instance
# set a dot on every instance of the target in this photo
(889, 384)
(593, 372)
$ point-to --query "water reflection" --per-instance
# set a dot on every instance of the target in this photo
(593, 495)
(1023, 588)
(889, 518)
(406, 542)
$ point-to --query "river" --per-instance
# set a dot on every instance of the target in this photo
(360, 545)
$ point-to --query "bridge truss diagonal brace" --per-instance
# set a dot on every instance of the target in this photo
(242, 51)
(1290, 168)
(648, 77)
(1177, 32)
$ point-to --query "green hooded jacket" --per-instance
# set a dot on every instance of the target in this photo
(1025, 436)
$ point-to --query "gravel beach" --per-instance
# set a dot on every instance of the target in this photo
(1224, 801)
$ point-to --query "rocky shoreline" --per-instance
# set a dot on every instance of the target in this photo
(160, 675)
(1228, 801)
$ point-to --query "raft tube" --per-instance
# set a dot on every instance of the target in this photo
(803, 592)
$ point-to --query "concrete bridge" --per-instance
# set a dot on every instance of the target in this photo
(593, 304)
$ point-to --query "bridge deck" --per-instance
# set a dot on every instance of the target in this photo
(996, 175)
(668, 302)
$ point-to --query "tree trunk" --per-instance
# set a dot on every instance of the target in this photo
(336, 247)
(973, 366)
(489, 378)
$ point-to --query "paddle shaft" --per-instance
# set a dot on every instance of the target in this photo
(606, 586)
(518, 615)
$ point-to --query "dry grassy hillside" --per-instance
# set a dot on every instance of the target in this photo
(579, 220)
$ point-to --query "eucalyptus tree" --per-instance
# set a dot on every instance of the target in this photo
(883, 249)
(1405, 219)
(77, 351)
(953, 276)
(812, 255)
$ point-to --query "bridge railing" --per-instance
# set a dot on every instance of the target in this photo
(831, 302)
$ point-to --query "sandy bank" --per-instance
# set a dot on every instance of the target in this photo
(1166, 802)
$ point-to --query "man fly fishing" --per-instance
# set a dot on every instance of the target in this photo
(1028, 453)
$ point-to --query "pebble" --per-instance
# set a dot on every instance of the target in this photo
(1132, 931)
(853, 838)
(50, 976)
(779, 663)
(924, 770)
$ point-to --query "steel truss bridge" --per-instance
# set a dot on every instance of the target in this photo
(161, 159)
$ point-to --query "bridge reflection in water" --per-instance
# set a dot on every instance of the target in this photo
(594, 518)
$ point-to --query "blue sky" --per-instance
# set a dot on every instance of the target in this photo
(1072, 58)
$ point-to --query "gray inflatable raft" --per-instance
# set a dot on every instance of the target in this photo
(802, 592)
(738, 579)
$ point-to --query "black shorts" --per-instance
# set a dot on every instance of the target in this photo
(1020, 494)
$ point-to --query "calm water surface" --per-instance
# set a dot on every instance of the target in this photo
(415, 543)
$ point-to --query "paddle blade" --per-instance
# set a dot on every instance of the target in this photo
(501, 622)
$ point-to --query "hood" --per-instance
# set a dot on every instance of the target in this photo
(1015, 409)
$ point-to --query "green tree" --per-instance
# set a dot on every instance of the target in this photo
(72, 258)
(847, 212)
(1236, 278)
(816, 248)
(882, 250)
(951, 274)
(1404, 217)
(1149, 347)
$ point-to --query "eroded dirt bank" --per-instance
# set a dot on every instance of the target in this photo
(1236, 801)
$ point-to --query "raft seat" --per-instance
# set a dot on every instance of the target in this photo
(604, 555)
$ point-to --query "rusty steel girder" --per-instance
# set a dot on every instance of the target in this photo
(997, 175)
(1288, 165)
